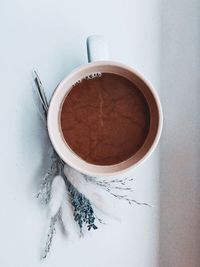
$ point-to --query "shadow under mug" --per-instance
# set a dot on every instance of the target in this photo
(98, 62)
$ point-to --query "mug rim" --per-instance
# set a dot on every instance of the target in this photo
(50, 127)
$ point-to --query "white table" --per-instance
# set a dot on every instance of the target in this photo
(50, 36)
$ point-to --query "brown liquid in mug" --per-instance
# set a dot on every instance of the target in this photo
(105, 120)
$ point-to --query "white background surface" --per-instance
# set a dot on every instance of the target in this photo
(50, 36)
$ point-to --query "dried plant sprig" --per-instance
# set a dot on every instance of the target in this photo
(83, 211)
(57, 196)
(41, 93)
(111, 186)
(54, 169)
(45, 188)
(99, 219)
(60, 220)
(50, 235)
(97, 197)
(118, 184)
(129, 199)
(118, 180)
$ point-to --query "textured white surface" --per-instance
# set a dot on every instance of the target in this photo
(50, 36)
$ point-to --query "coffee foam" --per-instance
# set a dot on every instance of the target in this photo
(88, 77)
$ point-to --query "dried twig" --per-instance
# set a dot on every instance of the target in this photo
(41, 93)
(50, 235)
(117, 184)
(129, 200)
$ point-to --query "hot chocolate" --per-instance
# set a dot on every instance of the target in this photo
(105, 119)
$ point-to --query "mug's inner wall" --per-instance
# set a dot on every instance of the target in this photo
(141, 85)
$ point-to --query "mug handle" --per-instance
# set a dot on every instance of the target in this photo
(97, 48)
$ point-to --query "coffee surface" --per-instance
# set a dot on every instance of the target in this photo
(105, 120)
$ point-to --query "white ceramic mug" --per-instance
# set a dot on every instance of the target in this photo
(98, 62)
